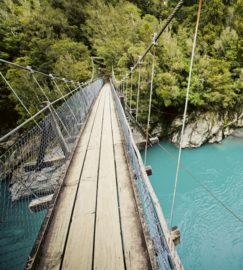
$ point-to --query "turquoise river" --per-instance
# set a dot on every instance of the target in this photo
(212, 238)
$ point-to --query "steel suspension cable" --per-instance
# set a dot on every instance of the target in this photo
(185, 110)
(150, 101)
(31, 118)
(49, 102)
(138, 87)
(35, 71)
(63, 97)
(27, 68)
(126, 87)
(68, 86)
(131, 95)
(175, 11)
(75, 100)
(93, 73)
(19, 99)
(83, 97)
(31, 103)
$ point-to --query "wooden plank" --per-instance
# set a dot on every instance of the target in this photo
(40, 204)
(141, 144)
(31, 166)
(108, 245)
(117, 138)
(132, 110)
(71, 139)
(52, 250)
(135, 249)
(79, 125)
(79, 249)
(175, 235)
(170, 243)
(96, 136)
(148, 170)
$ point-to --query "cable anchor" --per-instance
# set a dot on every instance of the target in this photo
(155, 43)
(30, 70)
(51, 76)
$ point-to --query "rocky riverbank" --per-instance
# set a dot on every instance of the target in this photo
(201, 128)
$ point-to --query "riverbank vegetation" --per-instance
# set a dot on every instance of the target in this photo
(59, 36)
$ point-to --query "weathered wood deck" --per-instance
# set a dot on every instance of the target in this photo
(95, 222)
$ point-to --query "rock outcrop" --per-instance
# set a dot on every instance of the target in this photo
(207, 127)
(39, 183)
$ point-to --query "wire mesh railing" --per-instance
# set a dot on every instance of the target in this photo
(161, 249)
(30, 171)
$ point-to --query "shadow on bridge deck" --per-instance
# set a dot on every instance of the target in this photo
(94, 221)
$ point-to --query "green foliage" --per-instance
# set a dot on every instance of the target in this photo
(59, 36)
(216, 79)
(38, 34)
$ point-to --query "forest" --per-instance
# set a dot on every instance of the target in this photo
(60, 36)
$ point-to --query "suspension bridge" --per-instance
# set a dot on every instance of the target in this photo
(82, 165)
(75, 193)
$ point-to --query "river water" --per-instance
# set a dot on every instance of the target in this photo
(212, 238)
(18, 231)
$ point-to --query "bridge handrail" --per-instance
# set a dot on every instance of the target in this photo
(165, 259)
(31, 169)
(34, 116)
(38, 72)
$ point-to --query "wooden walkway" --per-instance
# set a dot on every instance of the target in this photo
(95, 221)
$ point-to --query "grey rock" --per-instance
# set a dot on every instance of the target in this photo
(157, 131)
(238, 133)
(24, 184)
(208, 127)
